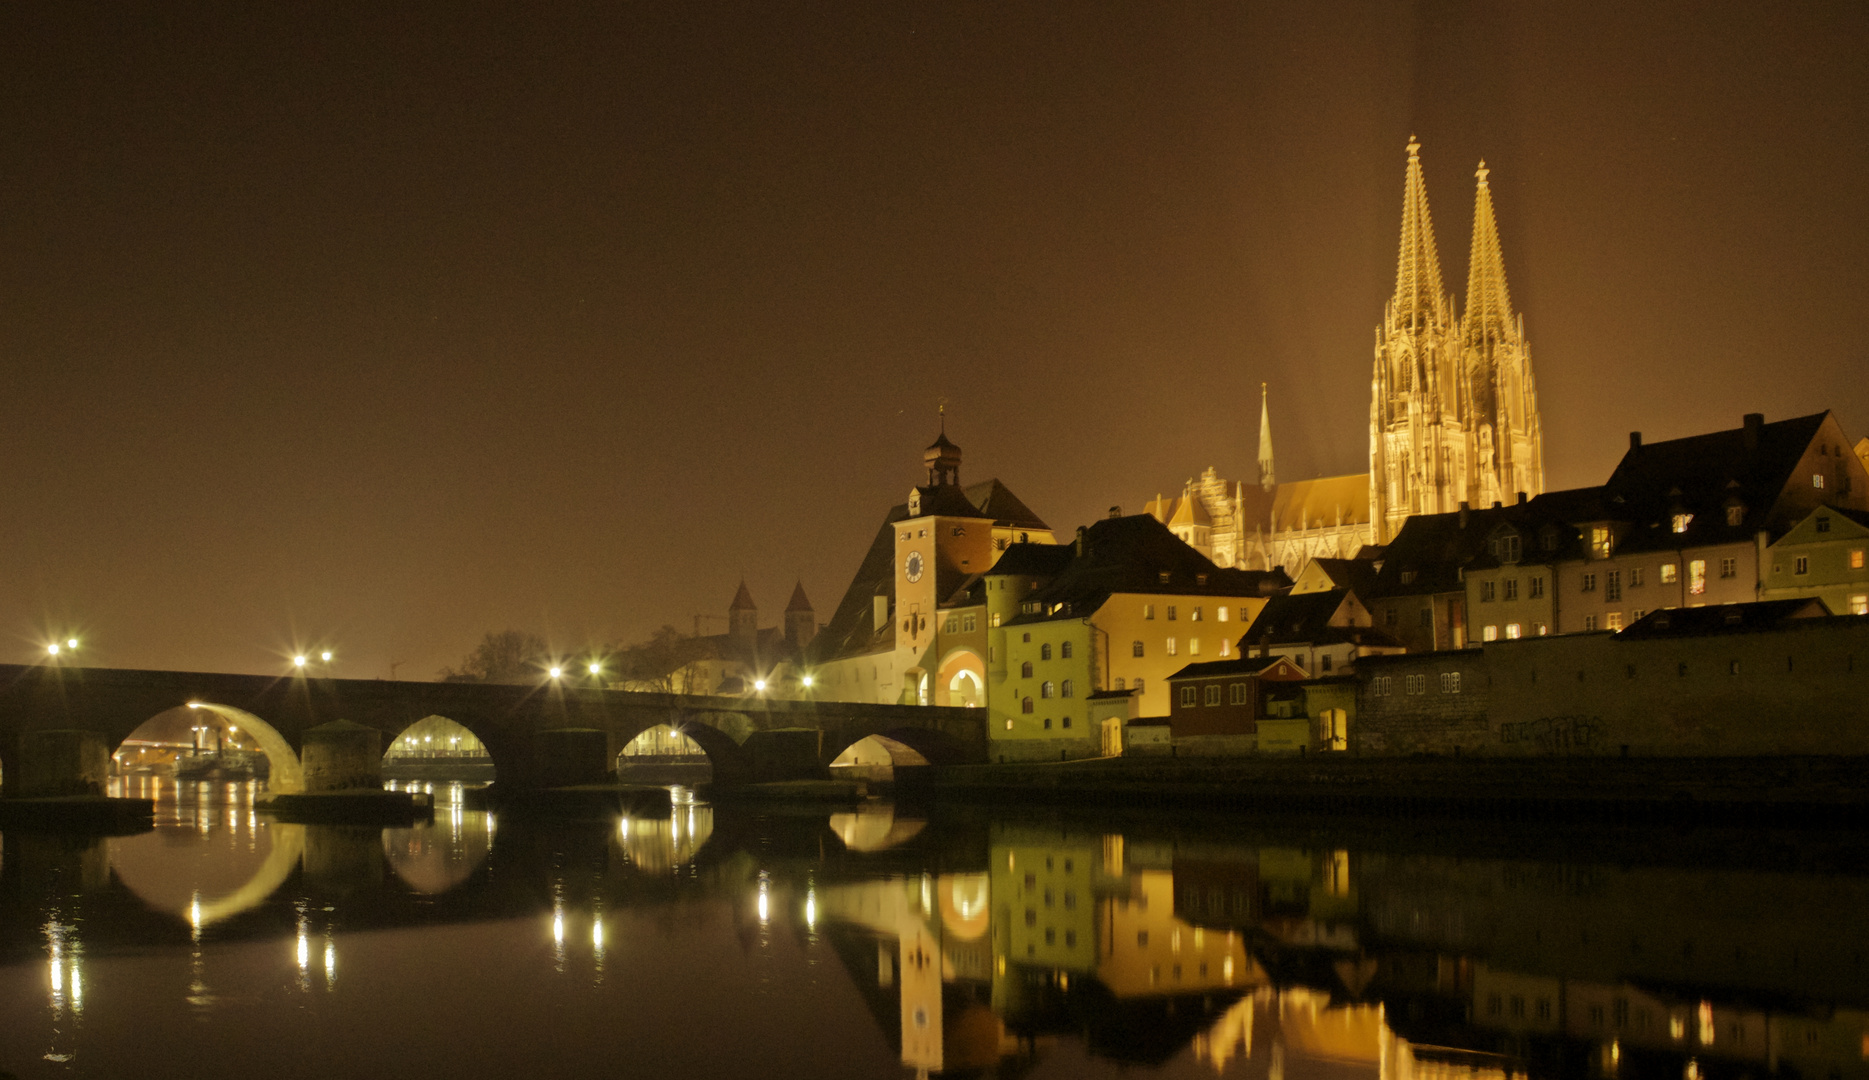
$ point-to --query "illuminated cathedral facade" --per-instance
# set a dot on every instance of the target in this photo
(1453, 418)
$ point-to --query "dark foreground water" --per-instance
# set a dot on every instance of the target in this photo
(728, 942)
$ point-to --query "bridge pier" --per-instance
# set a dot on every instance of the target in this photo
(784, 754)
(60, 762)
(564, 757)
(342, 756)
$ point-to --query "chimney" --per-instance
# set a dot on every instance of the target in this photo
(1754, 421)
(1080, 541)
(1635, 440)
(1116, 511)
(1522, 494)
(1463, 515)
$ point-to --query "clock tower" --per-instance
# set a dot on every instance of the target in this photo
(944, 540)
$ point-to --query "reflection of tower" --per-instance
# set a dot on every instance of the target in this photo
(743, 617)
(920, 961)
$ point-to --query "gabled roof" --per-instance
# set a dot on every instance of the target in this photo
(1296, 616)
(1701, 475)
(1726, 618)
(1357, 575)
(1428, 553)
(993, 500)
(1132, 555)
(1034, 560)
(1242, 665)
(1324, 502)
(1191, 511)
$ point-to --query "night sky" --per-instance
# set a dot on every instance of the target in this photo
(335, 325)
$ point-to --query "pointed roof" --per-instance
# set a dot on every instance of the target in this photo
(1489, 305)
(1419, 296)
(1265, 439)
(743, 600)
(1190, 511)
(798, 601)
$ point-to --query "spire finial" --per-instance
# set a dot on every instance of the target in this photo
(1482, 172)
(1414, 146)
(1266, 479)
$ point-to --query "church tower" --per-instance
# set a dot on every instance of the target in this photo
(1418, 437)
(1508, 447)
(1266, 479)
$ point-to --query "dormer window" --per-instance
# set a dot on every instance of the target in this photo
(1600, 542)
(1408, 577)
(1735, 514)
(1506, 547)
(1162, 577)
(1683, 520)
(1200, 580)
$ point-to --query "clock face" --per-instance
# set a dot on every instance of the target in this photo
(912, 566)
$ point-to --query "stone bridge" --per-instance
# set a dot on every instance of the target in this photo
(538, 735)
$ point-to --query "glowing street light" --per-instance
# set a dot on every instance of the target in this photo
(759, 685)
(556, 671)
(807, 680)
(52, 648)
(325, 656)
(71, 643)
(596, 668)
(298, 661)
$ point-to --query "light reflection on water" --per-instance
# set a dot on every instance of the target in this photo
(866, 942)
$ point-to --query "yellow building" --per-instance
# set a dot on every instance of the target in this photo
(1121, 609)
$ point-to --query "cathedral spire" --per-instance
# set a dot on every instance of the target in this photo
(1489, 305)
(1265, 441)
(1419, 297)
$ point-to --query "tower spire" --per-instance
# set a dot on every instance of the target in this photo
(1265, 441)
(1419, 297)
(1489, 306)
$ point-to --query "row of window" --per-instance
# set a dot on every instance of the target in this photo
(1802, 563)
(1173, 647)
(1048, 689)
(1044, 652)
(1384, 685)
(1696, 578)
(1508, 589)
(1514, 631)
(1027, 708)
(1221, 613)
(1136, 686)
(962, 624)
(1191, 695)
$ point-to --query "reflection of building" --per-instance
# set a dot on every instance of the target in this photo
(1453, 417)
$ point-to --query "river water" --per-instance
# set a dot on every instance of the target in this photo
(879, 942)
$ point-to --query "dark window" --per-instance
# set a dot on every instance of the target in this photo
(1064, 650)
(1213, 694)
(1044, 651)
(1025, 670)
(1026, 705)
(1136, 649)
(1188, 698)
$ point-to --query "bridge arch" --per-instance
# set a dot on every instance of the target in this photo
(287, 774)
(438, 747)
(961, 682)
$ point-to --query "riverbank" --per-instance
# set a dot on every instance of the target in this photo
(1803, 792)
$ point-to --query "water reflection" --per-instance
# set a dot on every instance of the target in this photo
(964, 947)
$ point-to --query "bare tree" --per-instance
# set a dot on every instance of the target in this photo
(666, 663)
(508, 656)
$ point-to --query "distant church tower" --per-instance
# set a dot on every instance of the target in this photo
(743, 616)
(1453, 413)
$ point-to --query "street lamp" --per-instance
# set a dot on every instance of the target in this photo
(556, 671)
(325, 656)
(52, 648)
(596, 668)
(298, 661)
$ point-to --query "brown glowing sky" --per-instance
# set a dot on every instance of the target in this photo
(387, 329)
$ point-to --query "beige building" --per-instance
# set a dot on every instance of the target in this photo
(1825, 556)
(1453, 418)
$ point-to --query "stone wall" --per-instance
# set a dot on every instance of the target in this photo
(1409, 704)
(1064, 749)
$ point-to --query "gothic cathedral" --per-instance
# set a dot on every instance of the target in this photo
(1453, 418)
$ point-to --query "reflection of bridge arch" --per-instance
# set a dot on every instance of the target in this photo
(127, 860)
(287, 774)
(434, 858)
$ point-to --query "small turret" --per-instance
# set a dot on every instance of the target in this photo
(743, 616)
(801, 623)
(942, 458)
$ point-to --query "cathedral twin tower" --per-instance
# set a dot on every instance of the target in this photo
(1453, 411)
(1453, 418)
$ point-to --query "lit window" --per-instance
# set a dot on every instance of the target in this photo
(1817, 480)
(1613, 621)
(1543, 629)
(1221, 613)
(1148, 611)
(1171, 646)
(1491, 633)
(1135, 649)
(1513, 631)
(995, 619)
(1803, 565)
(1667, 574)
(1226, 647)
(1195, 615)
(1697, 577)
(1859, 604)
(1009, 723)
(1856, 558)
(1194, 646)
(1681, 522)
(1600, 541)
